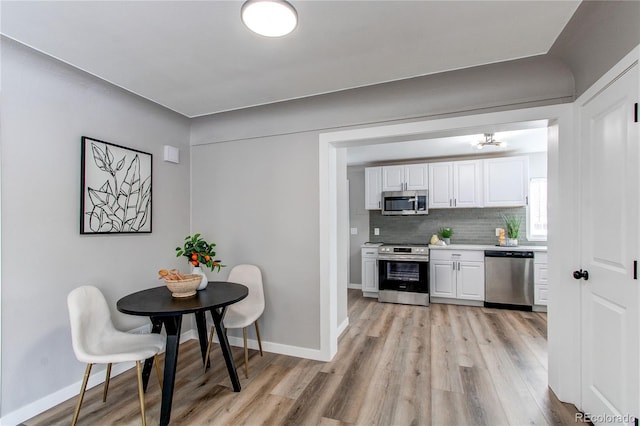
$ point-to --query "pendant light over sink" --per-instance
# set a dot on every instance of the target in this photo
(270, 18)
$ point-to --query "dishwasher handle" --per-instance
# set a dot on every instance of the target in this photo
(508, 253)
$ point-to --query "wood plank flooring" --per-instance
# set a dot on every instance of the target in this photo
(396, 365)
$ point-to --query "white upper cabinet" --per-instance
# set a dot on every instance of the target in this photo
(455, 184)
(373, 188)
(440, 185)
(467, 183)
(405, 178)
(506, 182)
(416, 177)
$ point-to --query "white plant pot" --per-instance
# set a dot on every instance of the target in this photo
(512, 242)
(204, 281)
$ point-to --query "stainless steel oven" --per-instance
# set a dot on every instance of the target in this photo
(403, 274)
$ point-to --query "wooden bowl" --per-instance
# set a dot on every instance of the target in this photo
(184, 288)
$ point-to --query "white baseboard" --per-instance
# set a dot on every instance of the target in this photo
(342, 327)
(355, 286)
(43, 404)
(277, 348)
(97, 378)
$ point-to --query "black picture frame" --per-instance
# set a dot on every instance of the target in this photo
(116, 189)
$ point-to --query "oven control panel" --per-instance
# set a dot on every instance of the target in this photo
(413, 250)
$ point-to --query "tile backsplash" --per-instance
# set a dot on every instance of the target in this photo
(470, 226)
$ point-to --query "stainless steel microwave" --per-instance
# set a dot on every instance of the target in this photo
(405, 202)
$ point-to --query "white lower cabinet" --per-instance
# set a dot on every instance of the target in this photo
(370, 271)
(540, 279)
(457, 274)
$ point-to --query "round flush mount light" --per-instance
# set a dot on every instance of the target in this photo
(270, 18)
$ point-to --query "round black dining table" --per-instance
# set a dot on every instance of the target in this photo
(166, 310)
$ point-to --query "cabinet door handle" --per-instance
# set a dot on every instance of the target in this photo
(455, 202)
(454, 265)
(378, 204)
(450, 203)
(458, 266)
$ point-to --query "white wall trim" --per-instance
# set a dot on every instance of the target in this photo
(354, 286)
(276, 348)
(342, 327)
(58, 397)
(95, 379)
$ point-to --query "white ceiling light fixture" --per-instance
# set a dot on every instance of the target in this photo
(270, 18)
(490, 141)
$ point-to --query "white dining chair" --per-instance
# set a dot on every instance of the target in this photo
(247, 311)
(95, 340)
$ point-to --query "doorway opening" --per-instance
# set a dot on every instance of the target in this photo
(334, 221)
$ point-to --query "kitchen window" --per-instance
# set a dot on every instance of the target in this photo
(537, 210)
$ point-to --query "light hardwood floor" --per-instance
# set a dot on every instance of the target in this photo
(396, 365)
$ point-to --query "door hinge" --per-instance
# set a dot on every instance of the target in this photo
(635, 269)
(635, 112)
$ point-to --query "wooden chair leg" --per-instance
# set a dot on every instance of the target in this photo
(209, 347)
(106, 383)
(258, 334)
(158, 372)
(246, 353)
(76, 413)
(141, 393)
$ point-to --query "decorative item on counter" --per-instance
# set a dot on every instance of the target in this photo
(512, 223)
(434, 239)
(502, 240)
(199, 252)
(180, 285)
(446, 234)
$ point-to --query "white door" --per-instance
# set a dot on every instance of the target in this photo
(443, 278)
(467, 180)
(440, 185)
(369, 275)
(416, 177)
(609, 205)
(506, 181)
(393, 178)
(373, 188)
(470, 280)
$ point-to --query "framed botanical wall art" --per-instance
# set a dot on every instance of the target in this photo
(116, 189)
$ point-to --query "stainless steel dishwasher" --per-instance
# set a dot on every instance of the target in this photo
(508, 279)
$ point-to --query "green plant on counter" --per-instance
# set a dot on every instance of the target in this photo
(512, 223)
(446, 232)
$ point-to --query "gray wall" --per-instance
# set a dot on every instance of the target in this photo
(255, 173)
(598, 36)
(534, 81)
(258, 201)
(46, 108)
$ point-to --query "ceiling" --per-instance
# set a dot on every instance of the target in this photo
(196, 58)
(523, 138)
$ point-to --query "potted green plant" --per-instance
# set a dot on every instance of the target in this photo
(512, 223)
(446, 234)
(199, 252)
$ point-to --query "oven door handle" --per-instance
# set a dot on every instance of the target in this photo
(404, 258)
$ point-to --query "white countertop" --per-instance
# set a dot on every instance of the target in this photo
(487, 247)
(368, 244)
